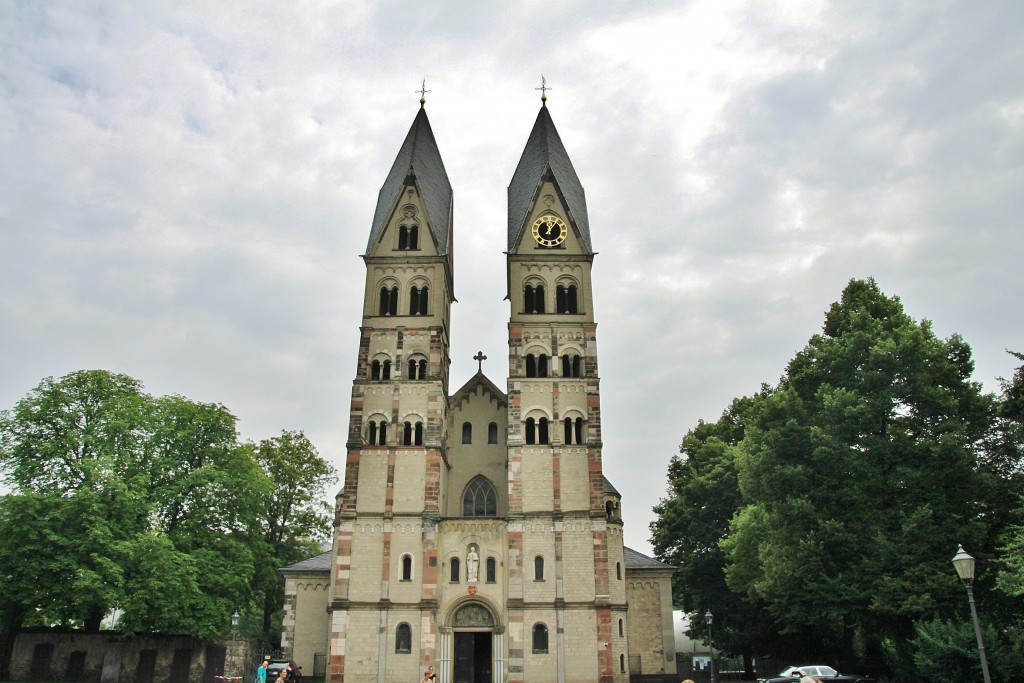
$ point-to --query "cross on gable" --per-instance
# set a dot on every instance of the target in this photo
(480, 358)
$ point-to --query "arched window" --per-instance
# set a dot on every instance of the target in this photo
(536, 366)
(491, 570)
(467, 432)
(403, 639)
(542, 431)
(538, 568)
(412, 370)
(479, 499)
(622, 629)
(406, 567)
(578, 429)
(622, 664)
(409, 237)
(385, 370)
(454, 570)
(565, 299)
(492, 432)
(412, 434)
(375, 370)
(418, 297)
(567, 431)
(531, 431)
(423, 369)
(570, 366)
(533, 299)
(388, 301)
(377, 433)
(618, 571)
(540, 639)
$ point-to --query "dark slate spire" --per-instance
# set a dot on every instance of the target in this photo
(544, 150)
(419, 162)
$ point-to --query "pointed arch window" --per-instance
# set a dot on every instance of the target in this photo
(403, 639)
(479, 498)
(388, 301)
(540, 639)
(533, 299)
(565, 299)
(492, 432)
(418, 298)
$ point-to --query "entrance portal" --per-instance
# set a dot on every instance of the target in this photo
(473, 657)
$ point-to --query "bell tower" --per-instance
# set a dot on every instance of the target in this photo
(385, 546)
(555, 479)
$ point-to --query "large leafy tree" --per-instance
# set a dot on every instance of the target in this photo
(694, 517)
(860, 473)
(293, 518)
(148, 505)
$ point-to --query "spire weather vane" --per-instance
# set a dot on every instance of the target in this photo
(480, 358)
(544, 87)
(423, 92)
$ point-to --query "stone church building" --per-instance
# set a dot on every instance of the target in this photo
(475, 531)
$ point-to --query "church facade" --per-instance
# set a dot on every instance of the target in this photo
(475, 531)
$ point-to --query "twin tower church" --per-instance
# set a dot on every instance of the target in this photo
(476, 531)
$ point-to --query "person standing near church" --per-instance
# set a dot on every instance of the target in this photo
(261, 673)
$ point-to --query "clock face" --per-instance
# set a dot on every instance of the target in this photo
(549, 231)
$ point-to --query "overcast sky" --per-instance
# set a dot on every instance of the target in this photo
(186, 188)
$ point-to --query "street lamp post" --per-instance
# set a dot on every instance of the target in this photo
(234, 646)
(964, 564)
(708, 618)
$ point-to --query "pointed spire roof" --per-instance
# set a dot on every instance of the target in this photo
(419, 162)
(544, 150)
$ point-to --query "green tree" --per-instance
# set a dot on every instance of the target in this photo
(691, 522)
(294, 519)
(122, 500)
(860, 473)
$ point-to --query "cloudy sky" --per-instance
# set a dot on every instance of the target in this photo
(186, 188)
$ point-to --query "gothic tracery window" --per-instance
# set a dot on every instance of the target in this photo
(479, 499)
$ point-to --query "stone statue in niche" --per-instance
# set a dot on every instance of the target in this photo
(472, 564)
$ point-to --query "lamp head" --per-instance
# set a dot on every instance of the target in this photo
(234, 619)
(708, 617)
(964, 565)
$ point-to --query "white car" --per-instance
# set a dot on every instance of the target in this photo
(819, 671)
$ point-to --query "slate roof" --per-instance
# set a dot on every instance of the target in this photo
(317, 563)
(480, 379)
(635, 560)
(608, 488)
(544, 150)
(418, 160)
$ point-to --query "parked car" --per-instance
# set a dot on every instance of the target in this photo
(823, 673)
(276, 665)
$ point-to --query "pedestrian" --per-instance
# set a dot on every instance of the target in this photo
(428, 675)
(261, 673)
(282, 676)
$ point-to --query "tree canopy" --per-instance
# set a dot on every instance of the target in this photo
(820, 514)
(150, 506)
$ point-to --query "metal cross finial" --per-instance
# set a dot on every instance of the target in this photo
(423, 92)
(544, 87)
(480, 358)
